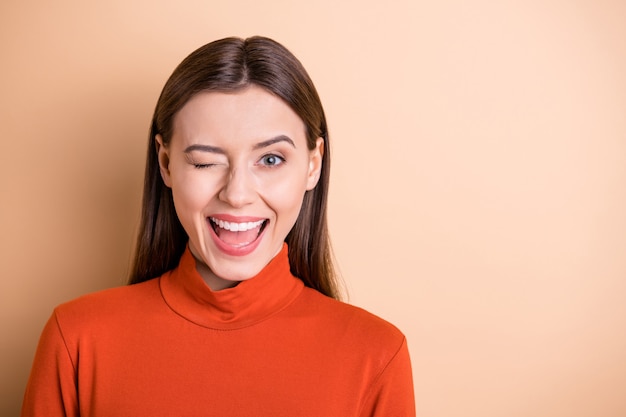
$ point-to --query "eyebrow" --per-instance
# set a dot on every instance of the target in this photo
(204, 148)
(260, 145)
(279, 138)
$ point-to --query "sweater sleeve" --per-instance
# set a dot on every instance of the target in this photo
(51, 389)
(391, 394)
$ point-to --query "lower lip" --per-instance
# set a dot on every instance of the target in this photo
(234, 250)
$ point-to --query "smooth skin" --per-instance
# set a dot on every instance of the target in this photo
(241, 157)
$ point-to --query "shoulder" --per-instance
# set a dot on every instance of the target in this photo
(358, 345)
(100, 305)
(352, 322)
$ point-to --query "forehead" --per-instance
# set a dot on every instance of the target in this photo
(248, 114)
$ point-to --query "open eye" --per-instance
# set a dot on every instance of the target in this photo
(271, 160)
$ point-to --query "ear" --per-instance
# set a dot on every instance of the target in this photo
(315, 164)
(163, 156)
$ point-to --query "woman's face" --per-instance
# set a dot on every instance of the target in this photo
(238, 166)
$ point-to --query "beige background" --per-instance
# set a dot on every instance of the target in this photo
(478, 199)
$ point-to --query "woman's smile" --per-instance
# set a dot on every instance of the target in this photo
(236, 236)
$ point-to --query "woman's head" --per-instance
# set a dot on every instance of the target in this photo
(231, 67)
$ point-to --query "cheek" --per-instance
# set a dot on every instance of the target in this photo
(191, 195)
(286, 196)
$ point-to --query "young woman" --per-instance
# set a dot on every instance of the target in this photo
(233, 306)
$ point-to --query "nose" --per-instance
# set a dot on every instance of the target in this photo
(238, 191)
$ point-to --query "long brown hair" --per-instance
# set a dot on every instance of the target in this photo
(227, 65)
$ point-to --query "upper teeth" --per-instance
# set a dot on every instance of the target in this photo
(236, 227)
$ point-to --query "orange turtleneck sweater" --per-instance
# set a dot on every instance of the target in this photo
(172, 347)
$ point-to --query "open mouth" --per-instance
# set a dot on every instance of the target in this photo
(237, 234)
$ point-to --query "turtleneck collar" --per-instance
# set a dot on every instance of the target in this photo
(248, 303)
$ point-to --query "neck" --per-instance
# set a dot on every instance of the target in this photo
(214, 282)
